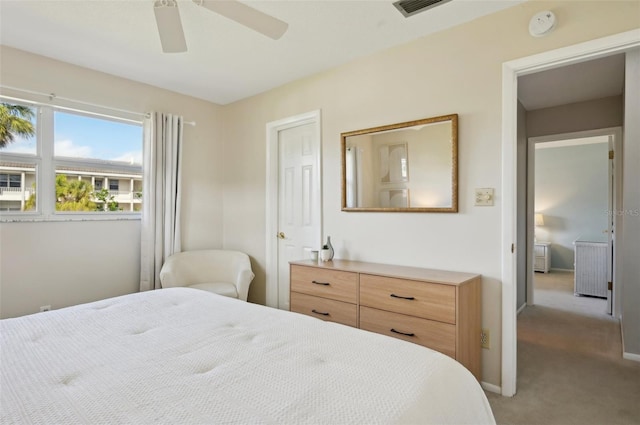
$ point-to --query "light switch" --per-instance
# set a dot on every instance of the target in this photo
(484, 197)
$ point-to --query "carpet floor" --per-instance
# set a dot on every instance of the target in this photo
(570, 365)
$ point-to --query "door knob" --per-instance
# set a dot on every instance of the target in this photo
(281, 235)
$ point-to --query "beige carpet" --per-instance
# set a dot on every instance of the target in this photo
(570, 366)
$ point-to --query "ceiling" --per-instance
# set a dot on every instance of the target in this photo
(225, 62)
(594, 79)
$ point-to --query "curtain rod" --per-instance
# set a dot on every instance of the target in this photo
(52, 96)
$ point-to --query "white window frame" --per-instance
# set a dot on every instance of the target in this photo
(46, 163)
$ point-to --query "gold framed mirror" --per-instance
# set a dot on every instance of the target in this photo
(405, 167)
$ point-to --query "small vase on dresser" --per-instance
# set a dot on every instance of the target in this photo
(330, 248)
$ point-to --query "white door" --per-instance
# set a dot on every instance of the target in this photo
(294, 205)
(299, 213)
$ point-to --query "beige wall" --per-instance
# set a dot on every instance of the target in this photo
(454, 71)
(66, 263)
(62, 264)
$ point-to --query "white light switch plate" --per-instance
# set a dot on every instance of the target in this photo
(484, 197)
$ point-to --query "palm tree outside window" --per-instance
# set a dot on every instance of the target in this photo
(15, 121)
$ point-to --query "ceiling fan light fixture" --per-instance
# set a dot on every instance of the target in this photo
(169, 26)
(248, 16)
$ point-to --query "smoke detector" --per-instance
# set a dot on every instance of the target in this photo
(542, 23)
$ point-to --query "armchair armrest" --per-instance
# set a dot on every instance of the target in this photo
(243, 282)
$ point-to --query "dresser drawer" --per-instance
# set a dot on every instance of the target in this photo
(325, 309)
(422, 299)
(333, 284)
(435, 335)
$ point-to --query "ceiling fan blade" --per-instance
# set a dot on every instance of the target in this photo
(247, 16)
(169, 26)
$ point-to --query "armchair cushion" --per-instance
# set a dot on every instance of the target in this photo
(220, 288)
(215, 270)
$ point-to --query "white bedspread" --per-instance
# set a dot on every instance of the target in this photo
(183, 356)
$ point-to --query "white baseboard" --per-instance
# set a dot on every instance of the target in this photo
(521, 308)
(491, 388)
(625, 355)
(562, 270)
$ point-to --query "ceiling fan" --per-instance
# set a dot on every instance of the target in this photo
(170, 26)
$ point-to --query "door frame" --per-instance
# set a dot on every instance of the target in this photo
(614, 193)
(511, 70)
(271, 204)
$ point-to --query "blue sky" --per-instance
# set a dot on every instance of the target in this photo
(85, 137)
(79, 136)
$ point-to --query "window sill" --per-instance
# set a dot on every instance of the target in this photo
(62, 217)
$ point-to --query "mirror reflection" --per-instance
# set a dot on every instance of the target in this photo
(409, 166)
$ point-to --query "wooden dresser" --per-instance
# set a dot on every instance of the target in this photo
(438, 309)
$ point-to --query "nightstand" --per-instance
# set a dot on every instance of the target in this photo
(542, 257)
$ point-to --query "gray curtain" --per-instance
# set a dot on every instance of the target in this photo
(161, 195)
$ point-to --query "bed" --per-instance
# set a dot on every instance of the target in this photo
(184, 356)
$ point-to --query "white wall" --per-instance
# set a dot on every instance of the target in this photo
(66, 263)
(571, 192)
(454, 71)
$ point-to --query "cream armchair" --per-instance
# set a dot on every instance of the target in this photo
(224, 272)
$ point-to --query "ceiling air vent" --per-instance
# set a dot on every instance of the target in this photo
(411, 7)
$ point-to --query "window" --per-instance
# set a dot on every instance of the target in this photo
(69, 157)
(9, 180)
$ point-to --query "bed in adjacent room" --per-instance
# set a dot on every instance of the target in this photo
(184, 356)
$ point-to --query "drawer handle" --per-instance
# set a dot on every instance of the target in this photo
(319, 312)
(320, 283)
(404, 298)
(402, 333)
